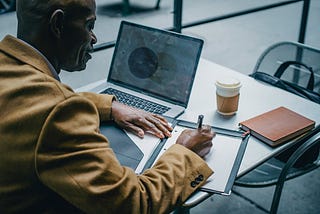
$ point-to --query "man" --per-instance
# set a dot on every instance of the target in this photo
(53, 158)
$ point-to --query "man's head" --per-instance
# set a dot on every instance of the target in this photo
(60, 29)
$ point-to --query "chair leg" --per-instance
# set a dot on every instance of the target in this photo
(125, 7)
(182, 210)
(157, 5)
(314, 140)
(278, 191)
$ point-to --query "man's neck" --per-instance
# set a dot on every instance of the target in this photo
(55, 72)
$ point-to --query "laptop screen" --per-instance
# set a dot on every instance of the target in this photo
(155, 62)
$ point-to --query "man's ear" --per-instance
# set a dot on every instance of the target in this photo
(56, 22)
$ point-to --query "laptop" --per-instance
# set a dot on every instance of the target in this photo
(156, 67)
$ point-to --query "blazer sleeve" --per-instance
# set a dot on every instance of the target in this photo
(75, 160)
(103, 103)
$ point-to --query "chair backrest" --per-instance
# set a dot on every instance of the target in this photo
(295, 63)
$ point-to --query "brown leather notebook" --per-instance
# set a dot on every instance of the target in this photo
(277, 126)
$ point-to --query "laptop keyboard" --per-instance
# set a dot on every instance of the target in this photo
(137, 102)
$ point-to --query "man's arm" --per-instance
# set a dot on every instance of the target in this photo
(129, 118)
(103, 103)
(75, 160)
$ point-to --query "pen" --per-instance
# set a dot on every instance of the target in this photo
(200, 120)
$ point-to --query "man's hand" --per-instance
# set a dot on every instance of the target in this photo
(139, 121)
(197, 140)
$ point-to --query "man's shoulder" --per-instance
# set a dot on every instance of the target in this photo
(8, 42)
(18, 52)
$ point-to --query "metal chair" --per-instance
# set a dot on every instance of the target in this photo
(275, 172)
(127, 8)
(286, 174)
(296, 64)
(302, 77)
(7, 5)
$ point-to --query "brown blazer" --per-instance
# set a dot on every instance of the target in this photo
(53, 158)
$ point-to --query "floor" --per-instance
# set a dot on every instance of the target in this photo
(235, 43)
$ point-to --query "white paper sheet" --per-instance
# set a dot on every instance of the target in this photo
(220, 159)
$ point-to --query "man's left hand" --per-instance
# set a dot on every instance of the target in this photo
(139, 121)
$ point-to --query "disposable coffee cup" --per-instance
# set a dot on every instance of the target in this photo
(228, 92)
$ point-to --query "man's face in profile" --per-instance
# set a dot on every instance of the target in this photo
(77, 37)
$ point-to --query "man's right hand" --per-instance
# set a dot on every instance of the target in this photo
(197, 140)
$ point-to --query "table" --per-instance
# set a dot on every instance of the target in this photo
(255, 98)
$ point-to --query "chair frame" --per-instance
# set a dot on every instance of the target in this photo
(310, 140)
(314, 140)
(266, 51)
(126, 7)
(293, 174)
(298, 56)
(7, 6)
(285, 175)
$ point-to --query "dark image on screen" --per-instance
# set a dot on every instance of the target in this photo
(160, 62)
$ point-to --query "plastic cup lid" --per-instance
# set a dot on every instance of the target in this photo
(228, 82)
